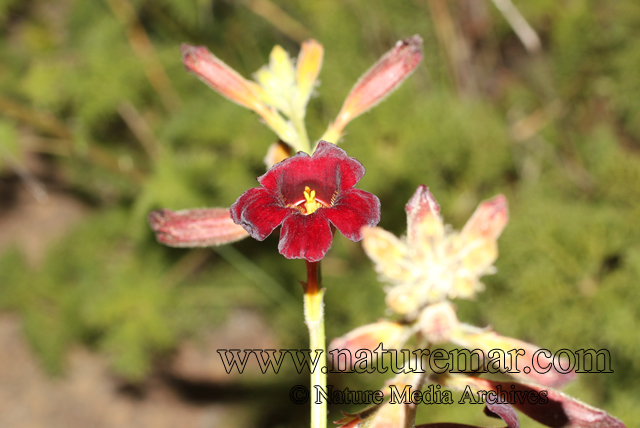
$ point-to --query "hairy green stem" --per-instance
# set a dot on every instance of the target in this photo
(303, 137)
(410, 415)
(314, 318)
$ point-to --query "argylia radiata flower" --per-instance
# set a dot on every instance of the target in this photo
(308, 195)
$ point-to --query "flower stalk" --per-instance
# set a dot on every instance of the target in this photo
(297, 119)
(314, 318)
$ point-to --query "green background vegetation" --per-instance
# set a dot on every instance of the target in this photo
(558, 132)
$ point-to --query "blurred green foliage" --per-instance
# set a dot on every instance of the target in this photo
(558, 132)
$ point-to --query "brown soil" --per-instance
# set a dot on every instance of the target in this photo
(89, 396)
(190, 390)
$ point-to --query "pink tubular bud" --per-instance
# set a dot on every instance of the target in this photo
(379, 81)
(220, 77)
(549, 407)
(228, 83)
(545, 371)
(489, 219)
(204, 227)
(424, 224)
(390, 335)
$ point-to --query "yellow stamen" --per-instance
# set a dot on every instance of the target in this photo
(311, 205)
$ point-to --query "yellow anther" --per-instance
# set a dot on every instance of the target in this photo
(311, 205)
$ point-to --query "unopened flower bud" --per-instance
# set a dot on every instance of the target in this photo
(204, 227)
(308, 68)
(545, 374)
(488, 220)
(425, 227)
(378, 82)
(277, 152)
(228, 83)
(220, 77)
(390, 335)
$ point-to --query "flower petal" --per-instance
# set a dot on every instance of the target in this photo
(354, 209)
(551, 408)
(348, 171)
(259, 211)
(274, 178)
(473, 338)
(328, 170)
(502, 409)
(305, 236)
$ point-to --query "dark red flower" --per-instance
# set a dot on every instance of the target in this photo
(306, 195)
